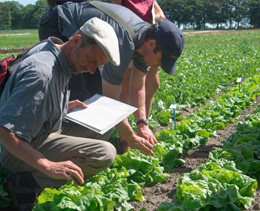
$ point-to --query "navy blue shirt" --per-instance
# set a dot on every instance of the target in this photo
(71, 16)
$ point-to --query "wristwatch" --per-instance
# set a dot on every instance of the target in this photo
(145, 121)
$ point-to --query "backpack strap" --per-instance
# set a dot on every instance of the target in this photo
(20, 57)
(4, 71)
(116, 18)
(4, 66)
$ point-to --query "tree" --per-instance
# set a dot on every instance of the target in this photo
(41, 7)
(195, 13)
(15, 11)
(199, 13)
(32, 13)
(217, 12)
(254, 12)
(174, 10)
(5, 17)
(27, 14)
(188, 15)
(239, 11)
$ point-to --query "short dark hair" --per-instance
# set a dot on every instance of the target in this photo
(85, 40)
(150, 35)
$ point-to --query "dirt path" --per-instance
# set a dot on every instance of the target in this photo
(12, 51)
(164, 192)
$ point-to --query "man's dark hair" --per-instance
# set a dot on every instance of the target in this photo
(85, 40)
(150, 35)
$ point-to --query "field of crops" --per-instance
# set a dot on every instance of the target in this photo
(208, 151)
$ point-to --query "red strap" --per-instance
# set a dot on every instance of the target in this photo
(4, 67)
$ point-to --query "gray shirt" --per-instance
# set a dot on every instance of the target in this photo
(35, 97)
(71, 16)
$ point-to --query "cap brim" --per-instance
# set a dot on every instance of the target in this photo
(168, 64)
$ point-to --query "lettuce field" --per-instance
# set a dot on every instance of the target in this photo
(208, 151)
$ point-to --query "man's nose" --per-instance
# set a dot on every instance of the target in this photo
(92, 69)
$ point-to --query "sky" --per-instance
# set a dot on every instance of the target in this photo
(23, 2)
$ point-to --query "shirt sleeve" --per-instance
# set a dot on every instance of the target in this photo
(139, 63)
(114, 74)
(27, 108)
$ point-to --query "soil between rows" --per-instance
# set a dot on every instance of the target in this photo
(12, 51)
(165, 192)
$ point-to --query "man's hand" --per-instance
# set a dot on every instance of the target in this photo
(137, 142)
(65, 170)
(145, 132)
(76, 103)
(124, 128)
(23, 151)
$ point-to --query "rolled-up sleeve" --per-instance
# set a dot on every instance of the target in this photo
(27, 108)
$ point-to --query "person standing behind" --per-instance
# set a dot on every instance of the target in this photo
(33, 104)
(148, 10)
(148, 45)
(151, 12)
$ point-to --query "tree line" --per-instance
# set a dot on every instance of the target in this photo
(192, 14)
(14, 15)
(196, 14)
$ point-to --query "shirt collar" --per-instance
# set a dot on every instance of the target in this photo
(60, 56)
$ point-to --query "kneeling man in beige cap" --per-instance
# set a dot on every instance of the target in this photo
(33, 104)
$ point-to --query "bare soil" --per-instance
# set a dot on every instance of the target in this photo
(12, 51)
(165, 192)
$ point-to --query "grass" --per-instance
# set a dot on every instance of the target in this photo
(18, 39)
(23, 39)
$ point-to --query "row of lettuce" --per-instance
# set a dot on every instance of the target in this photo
(208, 66)
(219, 184)
(228, 180)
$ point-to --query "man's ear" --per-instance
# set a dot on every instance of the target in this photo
(152, 43)
(76, 41)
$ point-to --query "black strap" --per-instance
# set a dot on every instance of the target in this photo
(20, 57)
(11, 65)
(116, 18)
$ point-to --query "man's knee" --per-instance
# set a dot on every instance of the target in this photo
(99, 161)
(110, 151)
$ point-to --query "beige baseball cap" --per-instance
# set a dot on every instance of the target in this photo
(105, 37)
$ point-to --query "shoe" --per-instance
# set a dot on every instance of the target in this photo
(23, 190)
